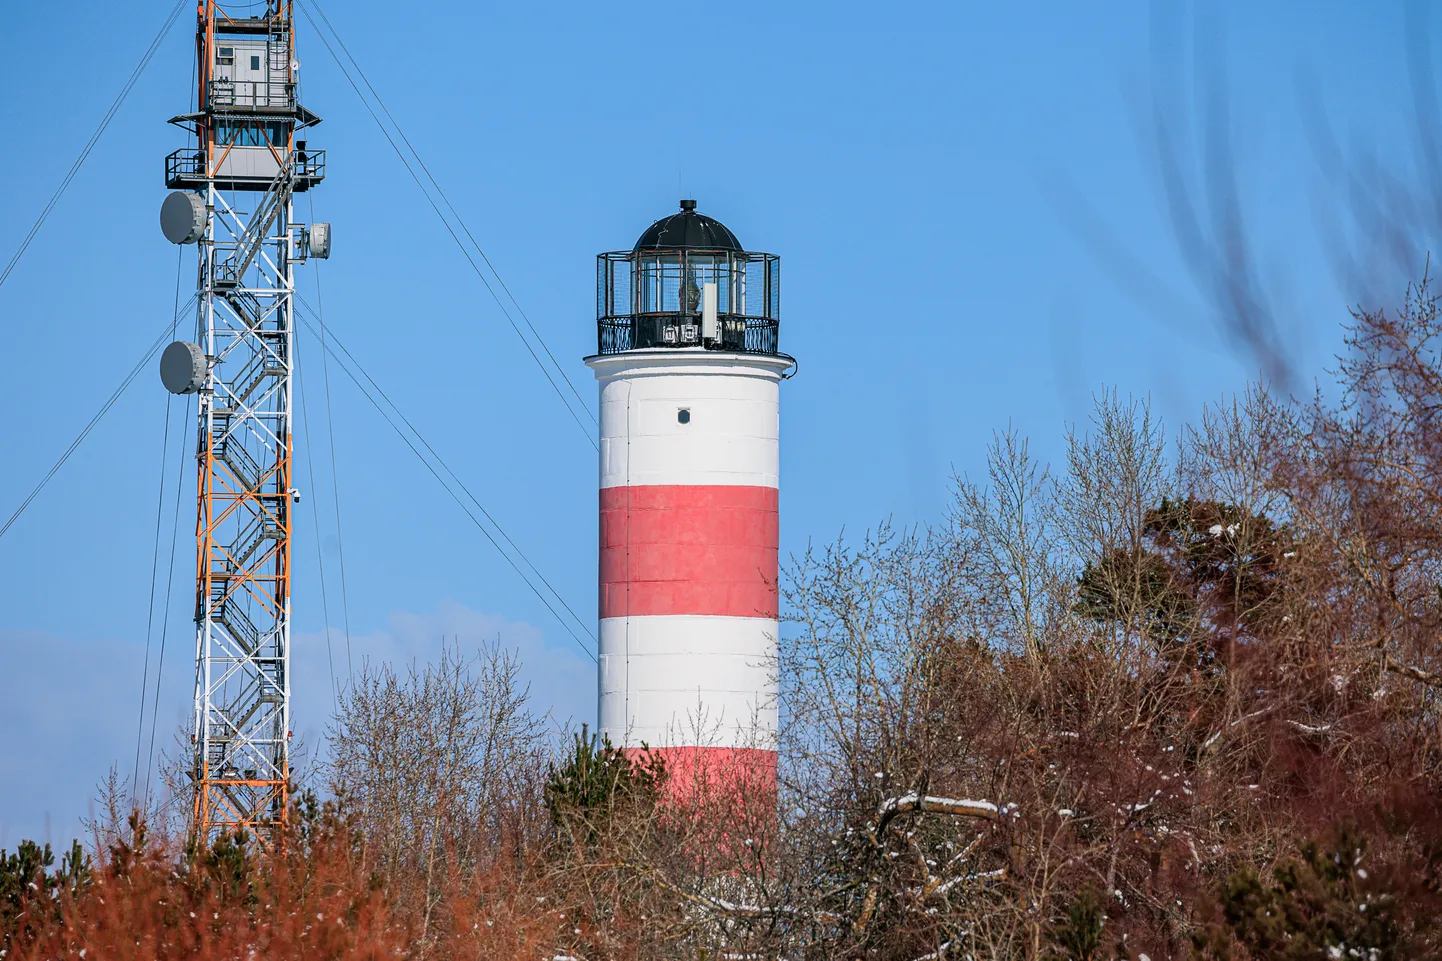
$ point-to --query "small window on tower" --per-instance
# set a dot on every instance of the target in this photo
(683, 416)
(255, 63)
(224, 55)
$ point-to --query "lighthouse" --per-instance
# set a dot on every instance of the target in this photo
(689, 367)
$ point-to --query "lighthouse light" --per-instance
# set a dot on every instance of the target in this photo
(709, 301)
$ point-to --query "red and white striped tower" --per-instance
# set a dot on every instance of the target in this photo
(689, 372)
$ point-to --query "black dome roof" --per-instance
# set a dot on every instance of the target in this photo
(688, 229)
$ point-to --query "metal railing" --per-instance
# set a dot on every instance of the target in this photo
(258, 94)
(186, 167)
(749, 335)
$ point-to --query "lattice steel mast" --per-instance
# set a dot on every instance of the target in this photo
(233, 200)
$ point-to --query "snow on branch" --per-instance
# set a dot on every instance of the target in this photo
(935, 955)
(944, 887)
(928, 804)
(914, 803)
(1415, 673)
(732, 909)
(1217, 735)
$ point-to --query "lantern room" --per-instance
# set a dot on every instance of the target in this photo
(688, 283)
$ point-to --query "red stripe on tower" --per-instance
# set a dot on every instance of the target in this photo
(689, 549)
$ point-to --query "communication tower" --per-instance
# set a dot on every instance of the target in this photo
(689, 366)
(232, 199)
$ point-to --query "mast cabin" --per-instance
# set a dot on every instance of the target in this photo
(249, 118)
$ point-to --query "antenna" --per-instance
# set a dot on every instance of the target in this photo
(242, 370)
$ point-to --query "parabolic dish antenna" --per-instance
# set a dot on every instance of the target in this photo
(182, 217)
(182, 368)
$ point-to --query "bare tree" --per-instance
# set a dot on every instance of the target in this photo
(440, 768)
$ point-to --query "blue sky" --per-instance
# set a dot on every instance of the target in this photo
(919, 168)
